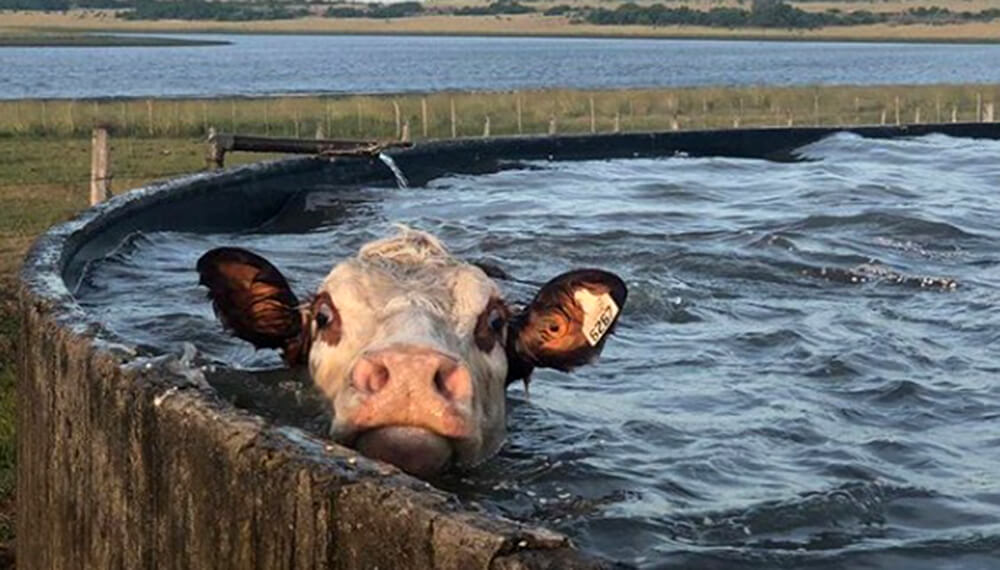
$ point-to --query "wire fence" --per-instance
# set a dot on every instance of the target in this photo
(450, 115)
(48, 141)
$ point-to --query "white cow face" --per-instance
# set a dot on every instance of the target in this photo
(413, 347)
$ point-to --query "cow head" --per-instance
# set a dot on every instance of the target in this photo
(413, 347)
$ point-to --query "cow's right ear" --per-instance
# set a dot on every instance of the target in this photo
(566, 324)
(252, 299)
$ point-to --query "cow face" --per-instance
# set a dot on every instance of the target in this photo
(413, 347)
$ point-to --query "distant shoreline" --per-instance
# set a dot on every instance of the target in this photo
(790, 37)
(30, 25)
(99, 40)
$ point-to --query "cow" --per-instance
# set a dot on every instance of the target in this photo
(413, 347)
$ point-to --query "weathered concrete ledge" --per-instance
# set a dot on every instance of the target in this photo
(129, 460)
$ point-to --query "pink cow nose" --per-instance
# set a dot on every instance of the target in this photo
(414, 369)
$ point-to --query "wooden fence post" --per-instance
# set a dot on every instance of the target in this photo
(72, 120)
(215, 158)
(423, 115)
(399, 120)
(486, 127)
(149, 116)
(454, 121)
(100, 166)
(898, 122)
(329, 116)
(405, 135)
(552, 124)
(593, 117)
(520, 124)
(618, 122)
(320, 133)
(979, 107)
(937, 108)
(988, 113)
(916, 116)
(124, 108)
(882, 118)
(954, 113)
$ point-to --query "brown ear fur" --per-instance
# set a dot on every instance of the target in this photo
(253, 299)
(549, 333)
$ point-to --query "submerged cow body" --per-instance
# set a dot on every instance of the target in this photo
(413, 347)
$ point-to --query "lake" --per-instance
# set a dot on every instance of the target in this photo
(255, 65)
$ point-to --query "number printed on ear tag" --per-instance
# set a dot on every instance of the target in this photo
(599, 312)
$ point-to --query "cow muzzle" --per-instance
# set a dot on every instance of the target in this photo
(413, 403)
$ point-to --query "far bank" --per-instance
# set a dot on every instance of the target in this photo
(522, 25)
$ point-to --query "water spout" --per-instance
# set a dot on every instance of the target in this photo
(401, 181)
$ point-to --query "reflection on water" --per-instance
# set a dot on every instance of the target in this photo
(751, 412)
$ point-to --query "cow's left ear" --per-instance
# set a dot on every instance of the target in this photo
(566, 324)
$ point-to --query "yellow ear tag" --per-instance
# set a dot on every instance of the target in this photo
(599, 312)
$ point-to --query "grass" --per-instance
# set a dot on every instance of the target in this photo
(45, 150)
(525, 24)
(376, 116)
(44, 181)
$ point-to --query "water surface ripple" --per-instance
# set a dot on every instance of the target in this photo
(752, 411)
(255, 65)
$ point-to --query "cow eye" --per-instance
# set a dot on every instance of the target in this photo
(496, 320)
(490, 326)
(324, 315)
(327, 326)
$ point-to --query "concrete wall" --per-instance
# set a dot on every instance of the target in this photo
(127, 461)
(124, 467)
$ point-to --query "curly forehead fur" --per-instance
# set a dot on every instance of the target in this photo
(408, 248)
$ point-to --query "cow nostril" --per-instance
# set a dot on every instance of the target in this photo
(370, 376)
(452, 381)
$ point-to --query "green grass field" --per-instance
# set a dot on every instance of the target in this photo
(45, 149)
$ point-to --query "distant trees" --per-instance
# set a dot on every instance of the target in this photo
(762, 14)
(202, 10)
(774, 14)
(397, 10)
(558, 10)
(749, 13)
(47, 5)
(498, 7)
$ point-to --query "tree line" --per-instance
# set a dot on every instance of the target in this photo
(774, 14)
(760, 14)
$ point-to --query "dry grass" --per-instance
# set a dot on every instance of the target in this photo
(522, 24)
(43, 182)
(375, 116)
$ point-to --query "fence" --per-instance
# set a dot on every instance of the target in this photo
(445, 115)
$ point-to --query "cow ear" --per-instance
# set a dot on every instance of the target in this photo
(566, 324)
(252, 299)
